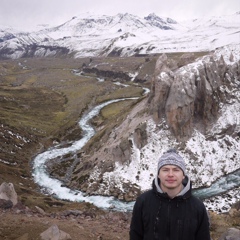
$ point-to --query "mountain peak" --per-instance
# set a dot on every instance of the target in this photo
(90, 34)
(159, 22)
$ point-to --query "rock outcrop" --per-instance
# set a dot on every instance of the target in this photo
(140, 135)
(160, 88)
(8, 193)
(186, 103)
(122, 152)
(54, 233)
(192, 95)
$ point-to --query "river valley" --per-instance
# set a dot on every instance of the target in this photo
(225, 191)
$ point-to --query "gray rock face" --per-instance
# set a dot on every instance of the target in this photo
(140, 135)
(191, 99)
(192, 94)
(122, 152)
(53, 233)
(163, 78)
(7, 192)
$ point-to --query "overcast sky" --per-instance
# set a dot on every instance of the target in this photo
(26, 14)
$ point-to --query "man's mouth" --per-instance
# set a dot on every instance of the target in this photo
(170, 181)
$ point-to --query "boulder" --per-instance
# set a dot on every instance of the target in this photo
(54, 233)
(8, 192)
(231, 234)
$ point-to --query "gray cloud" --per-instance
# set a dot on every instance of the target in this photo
(28, 13)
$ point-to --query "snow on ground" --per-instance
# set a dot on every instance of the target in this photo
(95, 34)
(223, 202)
(226, 52)
(212, 159)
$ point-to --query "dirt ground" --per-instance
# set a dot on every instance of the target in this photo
(90, 224)
(19, 226)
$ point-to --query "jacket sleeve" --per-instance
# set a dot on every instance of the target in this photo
(204, 225)
(136, 227)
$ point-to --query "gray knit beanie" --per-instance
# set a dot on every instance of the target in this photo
(171, 157)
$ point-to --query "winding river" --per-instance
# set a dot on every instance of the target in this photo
(54, 187)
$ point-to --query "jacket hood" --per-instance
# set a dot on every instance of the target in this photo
(186, 191)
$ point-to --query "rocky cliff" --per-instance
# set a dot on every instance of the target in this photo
(192, 96)
(187, 100)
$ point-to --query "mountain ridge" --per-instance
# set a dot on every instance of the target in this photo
(121, 35)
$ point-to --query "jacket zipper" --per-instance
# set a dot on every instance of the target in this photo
(168, 220)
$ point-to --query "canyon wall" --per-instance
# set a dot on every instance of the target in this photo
(192, 95)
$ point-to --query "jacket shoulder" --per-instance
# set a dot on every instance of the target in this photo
(197, 204)
(196, 200)
(145, 196)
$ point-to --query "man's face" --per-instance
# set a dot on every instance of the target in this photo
(171, 177)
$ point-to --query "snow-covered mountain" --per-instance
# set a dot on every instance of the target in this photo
(121, 35)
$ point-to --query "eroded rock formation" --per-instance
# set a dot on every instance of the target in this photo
(192, 95)
(183, 101)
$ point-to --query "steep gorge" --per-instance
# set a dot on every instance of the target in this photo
(183, 100)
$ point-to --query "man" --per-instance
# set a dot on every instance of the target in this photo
(169, 211)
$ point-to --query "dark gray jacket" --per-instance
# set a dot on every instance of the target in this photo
(157, 217)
